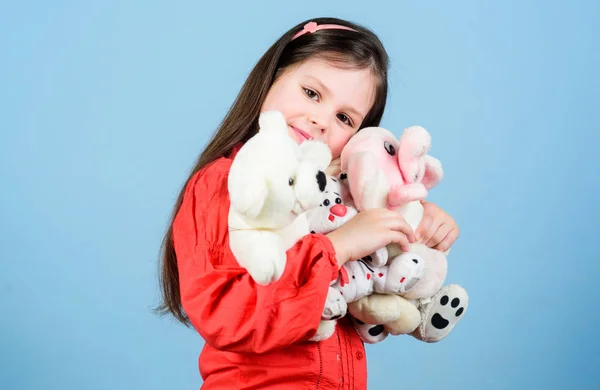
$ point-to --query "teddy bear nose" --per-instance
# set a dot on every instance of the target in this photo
(339, 210)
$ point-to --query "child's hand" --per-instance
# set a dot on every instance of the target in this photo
(437, 230)
(369, 231)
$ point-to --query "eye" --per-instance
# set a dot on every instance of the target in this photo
(311, 94)
(389, 148)
(345, 119)
(338, 200)
(291, 181)
(326, 202)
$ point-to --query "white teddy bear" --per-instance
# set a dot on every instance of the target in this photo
(272, 181)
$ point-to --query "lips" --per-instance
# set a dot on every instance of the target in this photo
(301, 135)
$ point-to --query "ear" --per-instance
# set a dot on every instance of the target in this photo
(415, 142)
(247, 192)
(272, 121)
(368, 186)
(316, 152)
(433, 172)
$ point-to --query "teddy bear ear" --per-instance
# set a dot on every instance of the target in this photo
(433, 172)
(317, 152)
(272, 121)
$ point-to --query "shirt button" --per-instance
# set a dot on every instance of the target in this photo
(359, 355)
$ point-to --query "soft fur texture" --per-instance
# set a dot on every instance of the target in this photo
(383, 172)
(272, 181)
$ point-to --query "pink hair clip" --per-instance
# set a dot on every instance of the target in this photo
(312, 27)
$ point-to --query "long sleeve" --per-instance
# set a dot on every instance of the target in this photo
(229, 310)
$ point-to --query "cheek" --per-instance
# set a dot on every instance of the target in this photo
(337, 142)
(281, 99)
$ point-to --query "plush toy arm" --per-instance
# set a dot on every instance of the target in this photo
(376, 308)
(379, 258)
(335, 305)
(401, 274)
(355, 281)
(325, 330)
(247, 192)
(260, 252)
(404, 194)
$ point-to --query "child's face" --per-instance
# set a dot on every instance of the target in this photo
(323, 102)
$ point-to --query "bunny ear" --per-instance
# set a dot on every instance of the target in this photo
(433, 172)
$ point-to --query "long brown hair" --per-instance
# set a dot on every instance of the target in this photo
(358, 49)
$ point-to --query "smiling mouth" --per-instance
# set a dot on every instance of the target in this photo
(301, 134)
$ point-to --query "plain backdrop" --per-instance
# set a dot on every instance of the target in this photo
(105, 105)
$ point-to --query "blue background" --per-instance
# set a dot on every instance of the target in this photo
(104, 107)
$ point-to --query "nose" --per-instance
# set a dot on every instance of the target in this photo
(321, 180)
(318, 121)
(339, 210)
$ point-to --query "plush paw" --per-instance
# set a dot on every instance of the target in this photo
(441, 314)
(368, 333)
(325, 331)
(335, 305)
(379, 258)
(268, 270)
(404, 272)
(264, 264)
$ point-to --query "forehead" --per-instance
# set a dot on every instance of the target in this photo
(348, 86)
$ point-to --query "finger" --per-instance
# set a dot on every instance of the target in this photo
(401, 240)
(400, 225)
(448, 240)
(425, 229)
(439, 235)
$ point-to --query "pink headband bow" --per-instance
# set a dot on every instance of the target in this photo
(312, 27)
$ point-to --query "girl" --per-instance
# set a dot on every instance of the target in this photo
(329, 79)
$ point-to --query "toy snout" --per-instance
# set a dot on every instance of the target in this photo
(339, 210)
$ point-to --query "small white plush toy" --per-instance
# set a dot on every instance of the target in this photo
(331, 213)
(272, 181)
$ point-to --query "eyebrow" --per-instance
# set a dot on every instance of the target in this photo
(349, 108)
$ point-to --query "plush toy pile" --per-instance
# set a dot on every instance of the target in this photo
(390, 291)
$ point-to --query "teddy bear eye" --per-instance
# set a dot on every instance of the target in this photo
(291, 181)
(389, 148)
(326, 202)
(338, 200)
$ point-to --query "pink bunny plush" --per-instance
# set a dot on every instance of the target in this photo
(384, 172)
